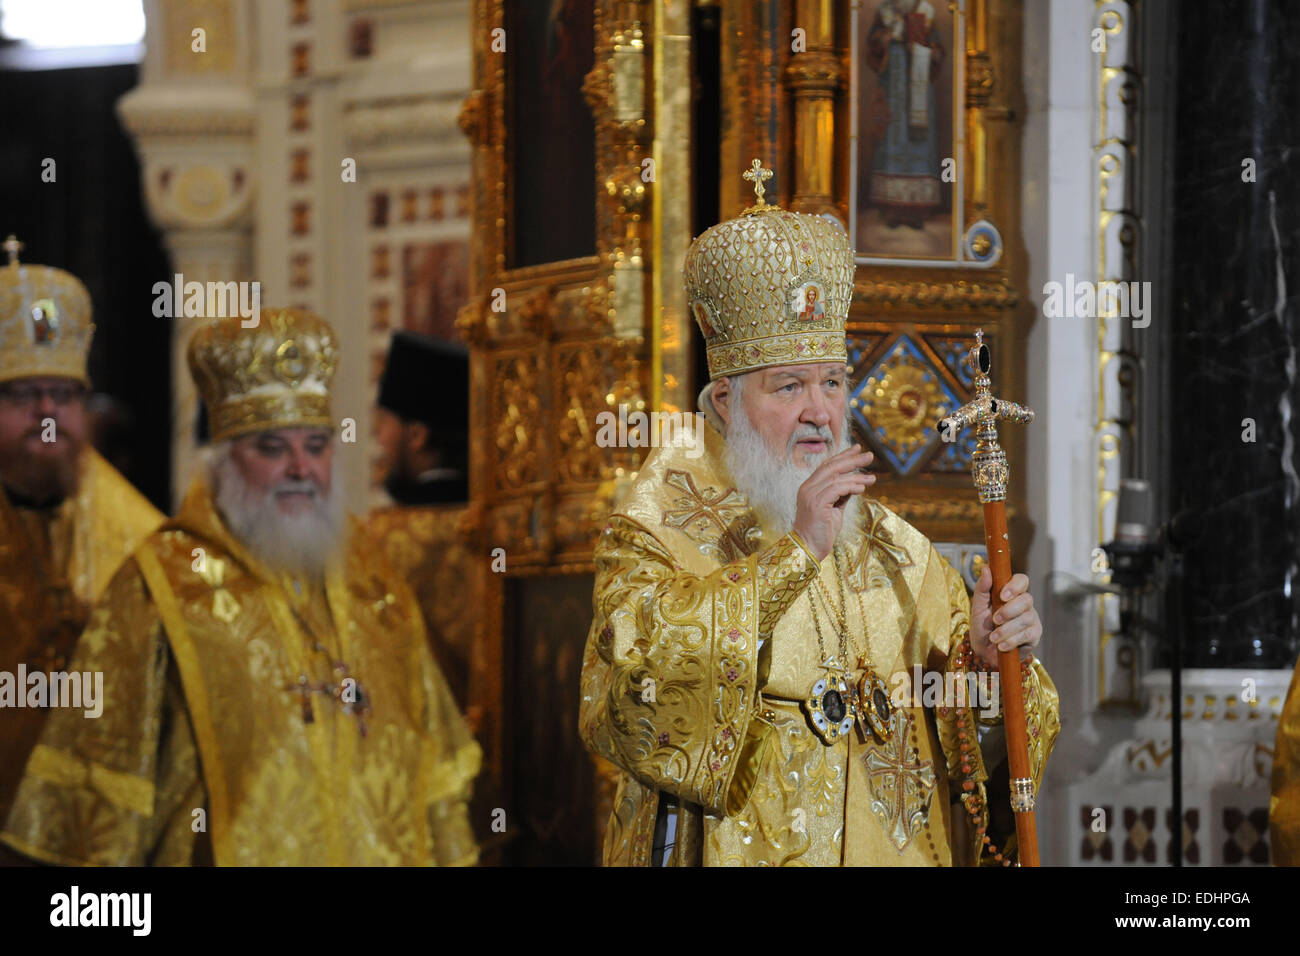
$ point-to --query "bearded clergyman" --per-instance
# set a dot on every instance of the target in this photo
(67, 518)
(759, 621)
(270, 697)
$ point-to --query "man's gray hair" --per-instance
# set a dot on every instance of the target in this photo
(705, 400)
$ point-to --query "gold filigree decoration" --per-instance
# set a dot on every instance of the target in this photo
(966, 508)
(517, 416)
(994, 293)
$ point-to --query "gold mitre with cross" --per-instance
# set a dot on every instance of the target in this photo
(770, 287)
(45, 327)
(274, 375)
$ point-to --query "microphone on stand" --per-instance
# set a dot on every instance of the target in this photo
(1132, 555)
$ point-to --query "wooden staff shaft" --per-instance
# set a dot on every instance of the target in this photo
(1013, 701)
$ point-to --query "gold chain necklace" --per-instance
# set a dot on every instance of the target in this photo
(833, 706)
(350, 697)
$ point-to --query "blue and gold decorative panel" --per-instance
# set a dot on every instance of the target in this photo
(955, 456)
(952, 349)
(899, 401)
(860, 346)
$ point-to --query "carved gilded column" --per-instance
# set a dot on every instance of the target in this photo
(672, 327)
(553, 344)
(193, 122)
(616, 92)
(813, 76)
(1118, 374)
(755, 42)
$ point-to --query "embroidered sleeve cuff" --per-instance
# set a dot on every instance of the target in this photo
(784, 570)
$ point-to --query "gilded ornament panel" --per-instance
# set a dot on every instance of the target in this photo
(559, 334)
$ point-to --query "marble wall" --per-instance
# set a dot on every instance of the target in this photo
(1203, 115)
(1235, 229)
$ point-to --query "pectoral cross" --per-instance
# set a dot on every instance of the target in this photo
(758, 175)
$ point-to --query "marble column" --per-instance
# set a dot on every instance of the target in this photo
(193, 122)
(1234, 235)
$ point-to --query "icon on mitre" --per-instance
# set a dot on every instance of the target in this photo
(808, 306)
(704, 318)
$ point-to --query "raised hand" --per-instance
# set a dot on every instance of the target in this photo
(822, 497)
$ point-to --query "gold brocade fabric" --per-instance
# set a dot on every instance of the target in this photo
(204, 749)
(1284, 804)
(53, 565)
(424, 546)
(678, 695)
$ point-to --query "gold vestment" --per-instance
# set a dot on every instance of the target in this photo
(1284, 803)
(53, 565)
(205, 750)
(424, 546)
(677, 694)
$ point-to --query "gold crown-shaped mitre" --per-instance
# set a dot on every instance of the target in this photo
(45, 327)
(274, 375)
(770, 287)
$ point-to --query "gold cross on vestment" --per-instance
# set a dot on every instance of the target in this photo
(900, 791)
(878, 539)
(758, 175)
(727, 511)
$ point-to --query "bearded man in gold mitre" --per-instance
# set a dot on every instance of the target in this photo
(270, 697)
(760, 624)
(67, 518)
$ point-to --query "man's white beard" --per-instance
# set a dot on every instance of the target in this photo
(301, 544)
(771, 484)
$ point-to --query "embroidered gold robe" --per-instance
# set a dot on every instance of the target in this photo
(677, 693)
(53, 565)
(205, 752)
(424, 546)
(1284, 803)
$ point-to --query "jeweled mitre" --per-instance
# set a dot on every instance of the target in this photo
(770, 287)
(274, 375)
(45, 327)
